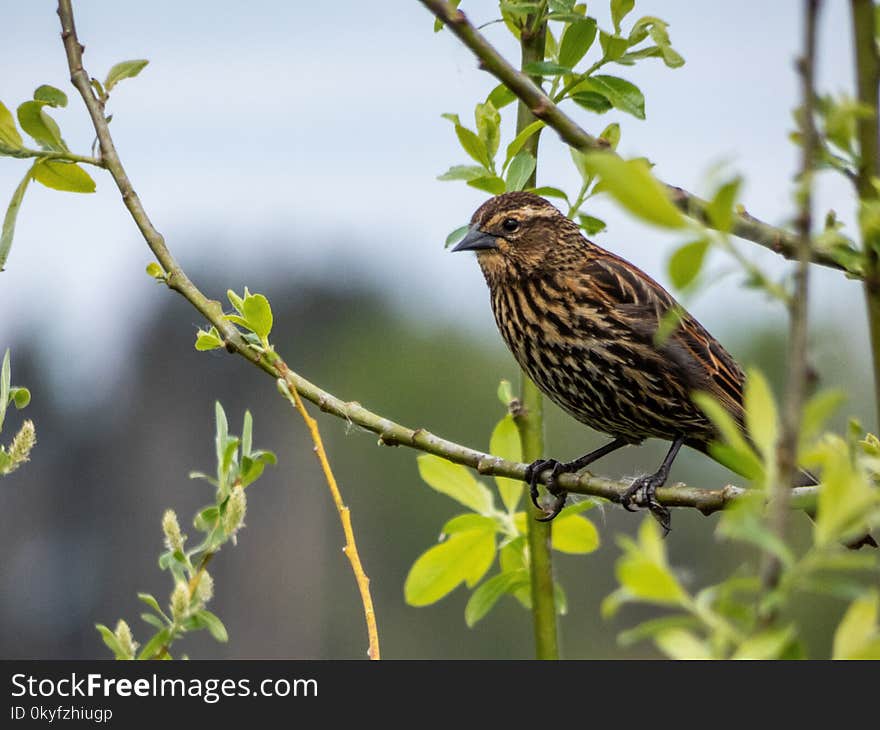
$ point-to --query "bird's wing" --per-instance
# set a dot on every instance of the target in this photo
(642, 304)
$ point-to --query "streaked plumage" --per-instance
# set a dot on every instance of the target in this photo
(582, 321)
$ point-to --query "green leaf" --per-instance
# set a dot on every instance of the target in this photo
(846, 497)
(687, 261)
(576, 41)
(151, 601)
(39, 125)
(501, 97)
(21, 397)
(679, 643)
(643, 571)
(51, 96)
(762, 420)
(657, 29)
(857, 635)
(505, 442)
(590, 224)
(111, 641)
(611, 134)
(517, 144)
(631, 183)
(521, 168)
(466, 522)
(490, 184)
(473, 145)
(652, 627)
(621, 93)
(592, 101)
(9, 135)
(66, 176)
(152, 647)
(124, 70)
(574, 534)
(613, 46)
(464, 557)
(546, 68)
(505, 393)
(258, 313)
(456, 236)
(734, 452)
(619, 10)
(208, 340)
(720, 208)
(488, 122)
(207, 518)
(153, 620)
(8, 231)
(743, 520)
(210, 621)
(550, 192)
(486, 596)
(455, 481)
(155, 270)
(817, 411)
(463, 172)
(769, 644)
(236, 301)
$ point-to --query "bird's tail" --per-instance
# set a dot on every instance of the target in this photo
(805, 479)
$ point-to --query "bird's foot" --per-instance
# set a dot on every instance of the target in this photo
(643, 493)
(533, 474)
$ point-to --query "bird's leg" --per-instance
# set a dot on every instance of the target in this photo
(649, 484)
(536, 468)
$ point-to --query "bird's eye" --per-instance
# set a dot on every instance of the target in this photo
(510, 225)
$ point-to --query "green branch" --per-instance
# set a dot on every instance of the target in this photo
(530, 419)
(23, 153)
(867, 83)
(745, 226)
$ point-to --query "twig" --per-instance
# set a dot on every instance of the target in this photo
(787, 450)
(530, 419)
(24, 153)
(390, 433)
(745, 226)
(350, 549)
(867, 84)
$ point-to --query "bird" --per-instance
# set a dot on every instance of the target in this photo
(583, 324)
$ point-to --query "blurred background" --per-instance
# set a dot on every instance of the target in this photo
(294, 148)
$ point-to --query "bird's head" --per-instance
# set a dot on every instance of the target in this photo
(516, 232)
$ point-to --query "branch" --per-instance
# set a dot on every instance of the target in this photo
(350, 549)
(389, 432)
(530, 419)
(797, 345)
(867, 82)
(542, 106)
(23, 153)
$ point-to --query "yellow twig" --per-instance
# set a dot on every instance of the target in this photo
(350, 549)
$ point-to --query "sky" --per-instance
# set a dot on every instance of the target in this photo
(267, 138)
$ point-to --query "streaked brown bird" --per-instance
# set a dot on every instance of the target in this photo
(581, 322)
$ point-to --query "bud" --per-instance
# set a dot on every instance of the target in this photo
(20, 448)
(180, 602)
(205, 591)
(125, 639)
(236, 507)
(171, 528)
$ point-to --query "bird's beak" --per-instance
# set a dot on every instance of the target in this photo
(476, 240)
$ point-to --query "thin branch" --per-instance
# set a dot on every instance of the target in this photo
(867, 129)
(530, 418)
(787, 451)
(390, 433)
(350, 549)
(24, 153)
(745, 226)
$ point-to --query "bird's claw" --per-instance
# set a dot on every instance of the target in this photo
(533, 474)
(643, 493)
